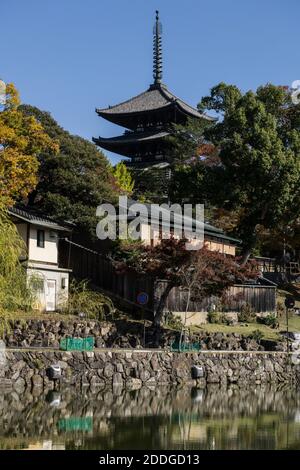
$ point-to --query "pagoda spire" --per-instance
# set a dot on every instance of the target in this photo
(157, 50)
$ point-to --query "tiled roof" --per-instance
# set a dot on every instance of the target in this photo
(209, 230)
(37, 218)
(156, 97)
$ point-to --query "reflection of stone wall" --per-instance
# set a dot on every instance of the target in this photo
(28, 369)
(215, 409)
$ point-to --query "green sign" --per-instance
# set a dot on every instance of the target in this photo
(75, 424)
(77, 344)
(185, 347)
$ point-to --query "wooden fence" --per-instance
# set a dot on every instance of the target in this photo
(88, 264)
(261, 298)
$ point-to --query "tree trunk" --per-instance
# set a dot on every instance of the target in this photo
(161, 305)
(31, 197)
(246, 253)
(185, 316)
(247, 250)
(159, 314)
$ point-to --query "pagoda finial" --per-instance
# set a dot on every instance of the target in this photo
(157, 50)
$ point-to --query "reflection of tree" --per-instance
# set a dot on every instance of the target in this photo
(248, 418)
(122, 433)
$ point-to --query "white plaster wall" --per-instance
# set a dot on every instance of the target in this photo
(152, 235)
(61, 294)
(49, 253)
(200, 318)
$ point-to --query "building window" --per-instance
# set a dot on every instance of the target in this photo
(40, 239)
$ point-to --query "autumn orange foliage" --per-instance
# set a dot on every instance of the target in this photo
(22, 139)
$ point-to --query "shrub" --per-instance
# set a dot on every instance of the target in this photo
(246, 315)
(84, 300)
(256, 335)
(173, 322)
(218, 317)
(270, 320)
(213, 317)
(226, 320)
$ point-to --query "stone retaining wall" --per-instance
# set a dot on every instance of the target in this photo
(29, 369)
(120, 334)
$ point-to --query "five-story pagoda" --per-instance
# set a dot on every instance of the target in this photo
(147, 118)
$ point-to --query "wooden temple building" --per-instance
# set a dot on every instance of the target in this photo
(147, 119)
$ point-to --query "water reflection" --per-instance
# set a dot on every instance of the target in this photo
(160, 418)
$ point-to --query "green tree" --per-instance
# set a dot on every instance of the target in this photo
(123, 178)
(256, 174)
(193, 156)
(74, 182)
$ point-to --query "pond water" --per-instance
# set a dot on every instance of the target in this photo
(161, 418)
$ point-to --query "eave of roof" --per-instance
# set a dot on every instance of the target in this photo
(220, 234)
(145, 165)
(157, 97)
(131, 138)
(36, 218)
(106, 111)
(186, 108)
(209, 230)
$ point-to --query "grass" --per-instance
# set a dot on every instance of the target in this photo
(36, 315)
(268, 333)
(247, 329)
(241, 329)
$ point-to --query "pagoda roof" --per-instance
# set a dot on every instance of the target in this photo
(156, 98)
(123, 144)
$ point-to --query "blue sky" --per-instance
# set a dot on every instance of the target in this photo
(70, 56)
